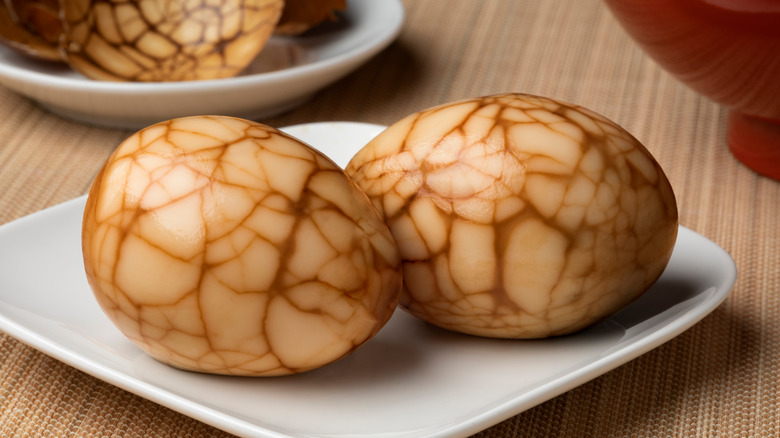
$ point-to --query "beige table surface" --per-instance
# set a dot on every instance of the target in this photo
(719, 378)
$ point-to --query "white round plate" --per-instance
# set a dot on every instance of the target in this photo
(286, 74)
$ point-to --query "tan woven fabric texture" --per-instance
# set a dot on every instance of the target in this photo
(719, 378)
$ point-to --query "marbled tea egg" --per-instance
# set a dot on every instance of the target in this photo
(31, 27)
(225, 246)
(165, 40)
(519, 216)
(299, 16)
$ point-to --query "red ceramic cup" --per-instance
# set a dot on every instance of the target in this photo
(727, 50)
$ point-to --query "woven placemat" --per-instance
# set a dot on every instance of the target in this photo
(720, 378)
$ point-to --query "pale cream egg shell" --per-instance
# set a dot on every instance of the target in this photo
(225, 246)
(519, 216)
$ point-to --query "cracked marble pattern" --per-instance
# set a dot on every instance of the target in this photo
(165, 40)
(225, 246)
(519, 216)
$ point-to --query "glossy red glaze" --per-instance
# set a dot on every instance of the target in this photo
(727, 50)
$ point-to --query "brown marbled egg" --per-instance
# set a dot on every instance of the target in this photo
(225, 246)
(299, 16)
(165, 40)
(519, 216)
(31, 27)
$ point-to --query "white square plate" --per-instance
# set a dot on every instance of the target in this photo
(412, 380)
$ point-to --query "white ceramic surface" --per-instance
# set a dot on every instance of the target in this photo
(286, 74)
(411, 380)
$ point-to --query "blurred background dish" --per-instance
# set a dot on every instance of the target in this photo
(288, 71)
